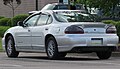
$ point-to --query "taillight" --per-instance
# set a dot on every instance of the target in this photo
(111, 30)
(74, 30)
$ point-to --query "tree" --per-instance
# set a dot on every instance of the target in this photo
(106, 5)
(12, 5)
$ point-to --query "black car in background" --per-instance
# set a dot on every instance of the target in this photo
(61, 6)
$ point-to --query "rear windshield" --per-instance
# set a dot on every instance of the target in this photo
(75, 16)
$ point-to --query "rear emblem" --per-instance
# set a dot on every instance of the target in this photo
(94, 29)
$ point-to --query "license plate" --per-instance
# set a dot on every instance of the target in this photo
(96, 41)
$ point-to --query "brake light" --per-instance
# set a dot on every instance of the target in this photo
(74, 30)
(111, 30)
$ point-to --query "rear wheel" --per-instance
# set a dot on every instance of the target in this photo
(104, 55)
(52, 49)
(10, 47)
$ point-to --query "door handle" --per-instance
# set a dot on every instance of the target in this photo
(46, 28)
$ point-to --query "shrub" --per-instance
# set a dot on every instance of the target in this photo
(109, 22)
(118, 28)
(17, 18)
(3, 21)
(9, 23)
(1, 17)
(3, 29)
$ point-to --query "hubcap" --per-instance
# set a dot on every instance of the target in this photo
(9, 47)
(50, 49)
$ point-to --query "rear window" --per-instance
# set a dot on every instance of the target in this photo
(75, 16)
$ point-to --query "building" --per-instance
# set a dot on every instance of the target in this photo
(24, 8)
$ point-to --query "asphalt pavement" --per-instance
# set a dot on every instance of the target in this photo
(71, 61)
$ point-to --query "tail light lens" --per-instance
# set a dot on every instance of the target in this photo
(74, 30)
(111, 30)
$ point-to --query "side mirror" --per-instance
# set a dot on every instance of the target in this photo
(20, 23)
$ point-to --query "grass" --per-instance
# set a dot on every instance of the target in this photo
(1, 44)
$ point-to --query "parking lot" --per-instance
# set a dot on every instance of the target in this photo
(72, 61)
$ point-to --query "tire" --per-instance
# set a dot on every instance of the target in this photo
(10, 48)
(52, 49)
(104, 55)
(62, 54)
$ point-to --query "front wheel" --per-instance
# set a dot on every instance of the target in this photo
(10, 47)
(104, 55)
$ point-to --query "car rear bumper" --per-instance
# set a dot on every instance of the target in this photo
(93, 49)
(94, 42)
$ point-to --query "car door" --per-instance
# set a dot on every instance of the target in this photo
(23, 36)
(39, 30)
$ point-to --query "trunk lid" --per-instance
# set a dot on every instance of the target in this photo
(93, 27)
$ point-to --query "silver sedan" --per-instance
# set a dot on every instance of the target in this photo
(60, 32)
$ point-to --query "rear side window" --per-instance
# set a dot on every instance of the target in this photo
(44, 19)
